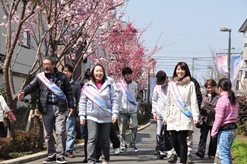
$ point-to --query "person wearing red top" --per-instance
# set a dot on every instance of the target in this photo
(226, 116)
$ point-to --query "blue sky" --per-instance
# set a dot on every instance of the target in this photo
(188, 28)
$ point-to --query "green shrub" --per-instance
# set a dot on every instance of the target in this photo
(19, 154)
(21, 114)
(141, 119)
(242, 119)
(24, 141)
(5, 146)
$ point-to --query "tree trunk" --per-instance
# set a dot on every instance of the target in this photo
(8, 85)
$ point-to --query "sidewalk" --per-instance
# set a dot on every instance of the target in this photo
(146, 142)
(43, 154)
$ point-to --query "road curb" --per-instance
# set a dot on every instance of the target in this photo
(43, 154)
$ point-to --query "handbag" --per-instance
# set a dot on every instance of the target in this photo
(201, 120)
(164, 140)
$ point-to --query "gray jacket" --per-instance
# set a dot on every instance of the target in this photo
(209, 114)
(125, 106)
(91, 111)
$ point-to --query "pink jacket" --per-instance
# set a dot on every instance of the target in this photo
(225, 113)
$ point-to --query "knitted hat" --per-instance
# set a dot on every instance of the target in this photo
(160, 77)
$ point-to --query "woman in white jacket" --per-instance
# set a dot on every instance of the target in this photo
(182, 109)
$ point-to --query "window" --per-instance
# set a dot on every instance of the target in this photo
(2, 58)
(26, 40)
(245, 73)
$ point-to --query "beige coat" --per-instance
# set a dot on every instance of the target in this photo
(175, 118)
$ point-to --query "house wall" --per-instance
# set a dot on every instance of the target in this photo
(243, 65)
(24, 60)
(245, 45)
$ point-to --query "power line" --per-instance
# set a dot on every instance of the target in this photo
(182, 56)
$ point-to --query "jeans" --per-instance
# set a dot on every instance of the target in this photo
(225, 139)
(70, 129)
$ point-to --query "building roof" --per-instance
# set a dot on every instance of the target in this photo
(243, 28)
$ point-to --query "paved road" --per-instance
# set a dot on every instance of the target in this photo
(146, 142)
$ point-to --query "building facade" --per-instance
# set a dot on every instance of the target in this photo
(243, 66)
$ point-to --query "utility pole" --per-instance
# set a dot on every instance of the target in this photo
(229, 50)
(193, 65)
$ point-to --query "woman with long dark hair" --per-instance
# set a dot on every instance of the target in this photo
(226, 117)
(181, 111)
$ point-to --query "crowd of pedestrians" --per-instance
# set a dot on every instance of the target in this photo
(184, 106)
(177, 105)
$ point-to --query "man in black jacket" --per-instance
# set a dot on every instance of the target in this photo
(55, 101)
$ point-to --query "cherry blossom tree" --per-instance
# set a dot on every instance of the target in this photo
(13, 24)
(125, 47)
(58, 27)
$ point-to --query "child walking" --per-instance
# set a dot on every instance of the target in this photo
(226, 117)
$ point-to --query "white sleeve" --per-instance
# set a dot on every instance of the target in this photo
(4, 104)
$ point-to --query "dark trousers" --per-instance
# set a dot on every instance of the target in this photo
(2, 130)
(85, 137)
(203, 140)
(180, 144)
(114, 140)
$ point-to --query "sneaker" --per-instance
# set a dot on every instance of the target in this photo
(91, 162)
(200, 154)
(69, 155)
(156, 152)
(189, 159)
(117, 151)
(105, 161)
(49, 160)
(84, 161)
(163, 153)
(211, 157)
(135, 149)
(123, 149)
(173, 158)
(61, 160)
